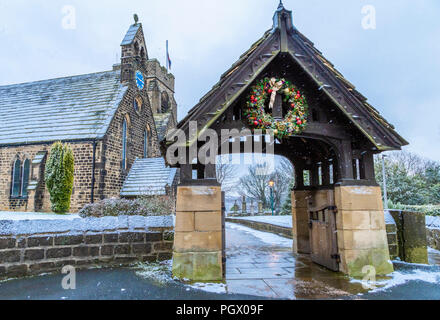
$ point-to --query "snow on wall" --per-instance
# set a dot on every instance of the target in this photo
(130, 223)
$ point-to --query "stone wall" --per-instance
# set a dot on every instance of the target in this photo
(109, 173)
(433, 238)
(412, 237)
(266, 227)
(35, 247)
(393, 244)
(82, 152)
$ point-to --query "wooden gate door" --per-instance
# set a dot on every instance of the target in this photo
(323, 235)
(223, 234)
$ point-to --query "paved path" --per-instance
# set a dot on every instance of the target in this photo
(262, 264)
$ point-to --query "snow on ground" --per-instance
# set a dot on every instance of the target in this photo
(14, 216)
(433, 222)
(282, 221)
(159, 272)
(210, 287)
(266, 237)
(399, 278)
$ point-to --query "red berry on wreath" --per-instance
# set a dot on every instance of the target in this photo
(256, 123)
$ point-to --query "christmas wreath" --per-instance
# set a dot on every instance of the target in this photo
(294, 121)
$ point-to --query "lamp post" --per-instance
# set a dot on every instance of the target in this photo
(384, 175)
(271, 185)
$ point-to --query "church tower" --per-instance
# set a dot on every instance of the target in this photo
(134, 51)
(159, 82)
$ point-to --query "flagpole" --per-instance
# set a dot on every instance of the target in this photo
(168, 67)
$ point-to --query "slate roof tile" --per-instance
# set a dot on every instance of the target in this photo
(70, 108)
(148, 177)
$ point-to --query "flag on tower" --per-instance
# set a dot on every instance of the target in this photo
(168, 59)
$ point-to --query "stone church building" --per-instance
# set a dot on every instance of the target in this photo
(113, 121)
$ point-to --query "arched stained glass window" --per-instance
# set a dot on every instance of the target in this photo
(124, 144)
(16, 170)
(25, 178)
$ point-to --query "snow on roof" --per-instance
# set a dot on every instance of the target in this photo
(148, 177)
(71, 108)
(131, 34)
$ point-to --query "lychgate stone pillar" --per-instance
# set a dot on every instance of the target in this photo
(362, 237)
(198, 239)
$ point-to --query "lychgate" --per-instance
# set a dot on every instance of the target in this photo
(284, 86)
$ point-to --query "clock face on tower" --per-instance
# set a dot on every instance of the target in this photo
(140, 82)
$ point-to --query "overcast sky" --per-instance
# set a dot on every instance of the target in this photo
(396, 65)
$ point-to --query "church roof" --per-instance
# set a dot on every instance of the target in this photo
(131, 34)
(285, 38)
(148, 177)
(71, 108)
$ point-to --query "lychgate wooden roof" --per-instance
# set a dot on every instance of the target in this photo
(284, 38)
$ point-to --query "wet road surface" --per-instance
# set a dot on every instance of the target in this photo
(259, 266)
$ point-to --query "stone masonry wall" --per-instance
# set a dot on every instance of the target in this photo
(35, 253)
(81, 189)
(283, 231)
(110, 173)
(433, 238)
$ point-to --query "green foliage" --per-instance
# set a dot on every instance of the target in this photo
(413, 183)
(429, 210)
(286, 209)
(58, 176)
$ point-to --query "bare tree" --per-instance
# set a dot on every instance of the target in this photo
(226, 172)
(254, 185)
(411, 162)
